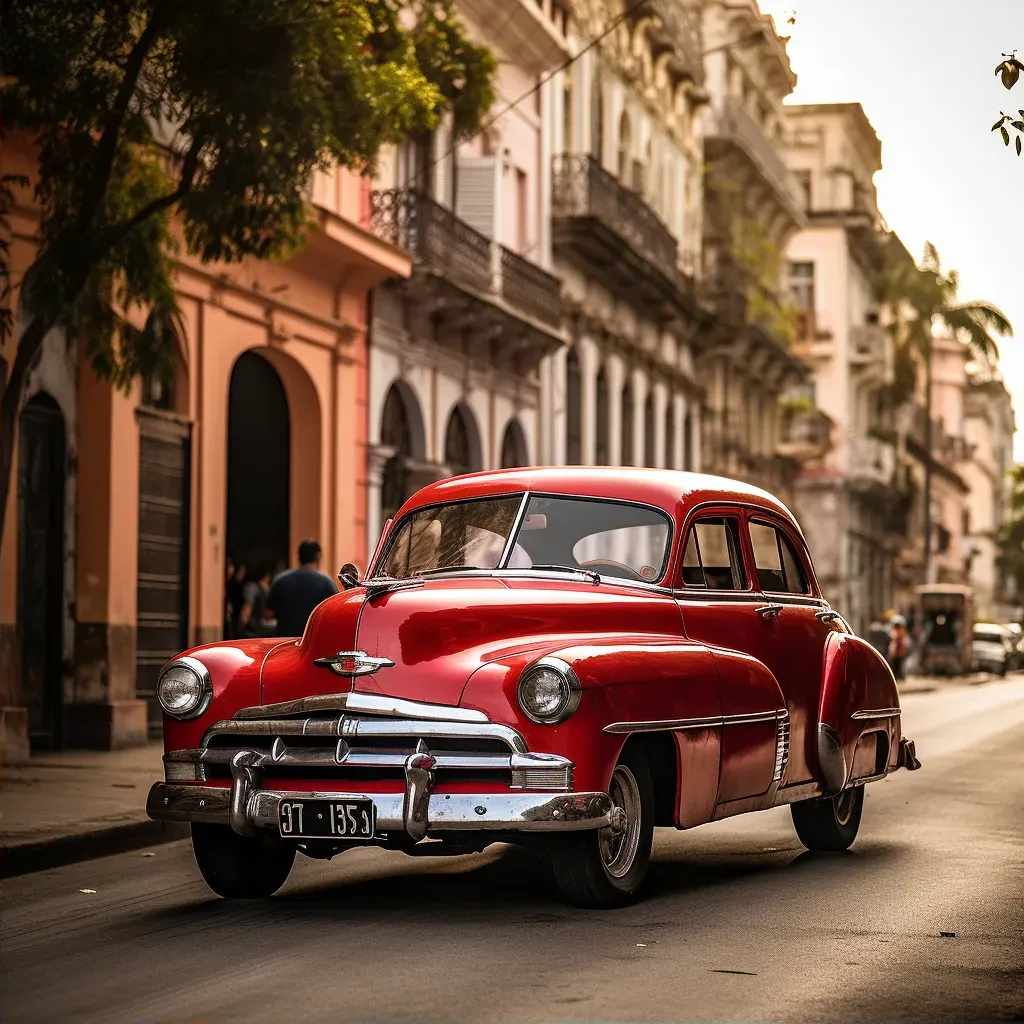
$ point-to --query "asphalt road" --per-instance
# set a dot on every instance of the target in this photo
(739, 923)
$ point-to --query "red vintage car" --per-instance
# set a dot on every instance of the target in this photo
(563, 658)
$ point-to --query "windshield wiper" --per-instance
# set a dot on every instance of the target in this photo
(595, 577)
(446, 568)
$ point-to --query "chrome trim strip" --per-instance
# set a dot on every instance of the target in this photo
(341, 756)
(476, 812)
(371, 703)
(713, 722)
(877, 713)
(510, 544)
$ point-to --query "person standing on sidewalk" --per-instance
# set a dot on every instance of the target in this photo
(296, 592)
(899, 645)
(255, 619)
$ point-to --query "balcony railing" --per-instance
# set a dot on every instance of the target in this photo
(442, 243)
(581, 187)
(867, 344)
(870, 460)
(734, 122)
(804, 433)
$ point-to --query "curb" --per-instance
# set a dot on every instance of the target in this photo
(25, 858)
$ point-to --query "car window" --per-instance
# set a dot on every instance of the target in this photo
(712, 558)
(778, 567)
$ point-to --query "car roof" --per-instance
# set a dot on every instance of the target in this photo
(675, 491)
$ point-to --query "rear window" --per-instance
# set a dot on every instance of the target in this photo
(712, 556)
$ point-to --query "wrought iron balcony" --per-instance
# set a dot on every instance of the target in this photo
(598, 221)
(870, 462)
(447, 247)
(804, 433)
(867, 345)
(734, 126)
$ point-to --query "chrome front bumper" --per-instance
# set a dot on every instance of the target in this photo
(455, 812)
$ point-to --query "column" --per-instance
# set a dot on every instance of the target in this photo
(589, 358)
(615, 372)
(697, 432)
(660, 406)
(679, 402)
(639, 403)
(377, 456)
(555, 406)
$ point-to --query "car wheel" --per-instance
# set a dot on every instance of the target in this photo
(606, 867)
(238, 867)
(830, 822)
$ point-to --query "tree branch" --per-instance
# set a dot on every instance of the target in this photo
(107, 149)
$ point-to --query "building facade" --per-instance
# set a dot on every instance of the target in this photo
(853, 505)
(989, 426)
(626, 228)
(760, 420)
(126, 506)
(456, 350)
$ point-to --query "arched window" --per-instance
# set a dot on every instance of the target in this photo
(603, 447)
(513, 446)
(626, 457)
(625, 149)
(395, 432)
(573, 440)
(597, 119)
(649, 430)
(460, 447)
(670, 434)
(567, 118)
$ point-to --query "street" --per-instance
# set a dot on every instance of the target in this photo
(738, 923)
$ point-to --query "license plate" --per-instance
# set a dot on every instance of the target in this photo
(327, 819)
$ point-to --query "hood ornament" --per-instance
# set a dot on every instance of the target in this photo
(353, 663)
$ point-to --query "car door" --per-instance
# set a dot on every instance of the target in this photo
(804, 623)
(719, 607)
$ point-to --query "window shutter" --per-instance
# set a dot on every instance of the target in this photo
(478, 194)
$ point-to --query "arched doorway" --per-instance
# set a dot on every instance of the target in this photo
(461, 442)
(259, 466)
(41, 478)
(573, 411)
(401, 431)
(513, 446)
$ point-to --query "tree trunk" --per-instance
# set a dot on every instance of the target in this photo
(29, 344)
(927, 490)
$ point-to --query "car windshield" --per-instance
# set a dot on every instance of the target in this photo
(612, 538)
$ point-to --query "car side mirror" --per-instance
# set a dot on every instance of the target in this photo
(348, 577)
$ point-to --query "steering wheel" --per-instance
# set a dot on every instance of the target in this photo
(623, 570)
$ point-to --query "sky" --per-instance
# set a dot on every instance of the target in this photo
(924, 72)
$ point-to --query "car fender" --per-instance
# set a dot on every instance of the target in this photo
(859, 698)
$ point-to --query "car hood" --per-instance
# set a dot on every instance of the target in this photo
(438, 634)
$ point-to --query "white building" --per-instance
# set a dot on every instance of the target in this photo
(626, 227)
(455, 352)
(989, 426)
(852, 507)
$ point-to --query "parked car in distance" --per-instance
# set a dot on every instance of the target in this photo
(562, 658)
(993, 648)
(1017, 637)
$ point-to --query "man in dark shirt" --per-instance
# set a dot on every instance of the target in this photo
(295, 593)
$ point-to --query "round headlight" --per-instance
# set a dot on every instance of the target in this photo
(184, 689)
(549, 691)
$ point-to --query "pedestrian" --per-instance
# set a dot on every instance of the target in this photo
(233, 598)
(256, 619)
(899, 645)
(296, 592)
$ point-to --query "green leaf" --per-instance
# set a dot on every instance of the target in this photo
(1009, 71)
(1018, 145)
(1006, 136)
(1019, 125)
(999, 123)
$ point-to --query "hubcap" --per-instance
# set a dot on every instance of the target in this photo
(619, 843)
(844, 806)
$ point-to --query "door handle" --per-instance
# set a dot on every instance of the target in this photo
(769, 610)
(827, 616)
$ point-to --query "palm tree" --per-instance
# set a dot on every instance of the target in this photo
(922, 300)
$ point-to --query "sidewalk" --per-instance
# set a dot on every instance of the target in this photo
(928, 684)
(78, 804)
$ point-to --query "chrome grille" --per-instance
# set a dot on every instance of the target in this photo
(363, 746)
(781, 744)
